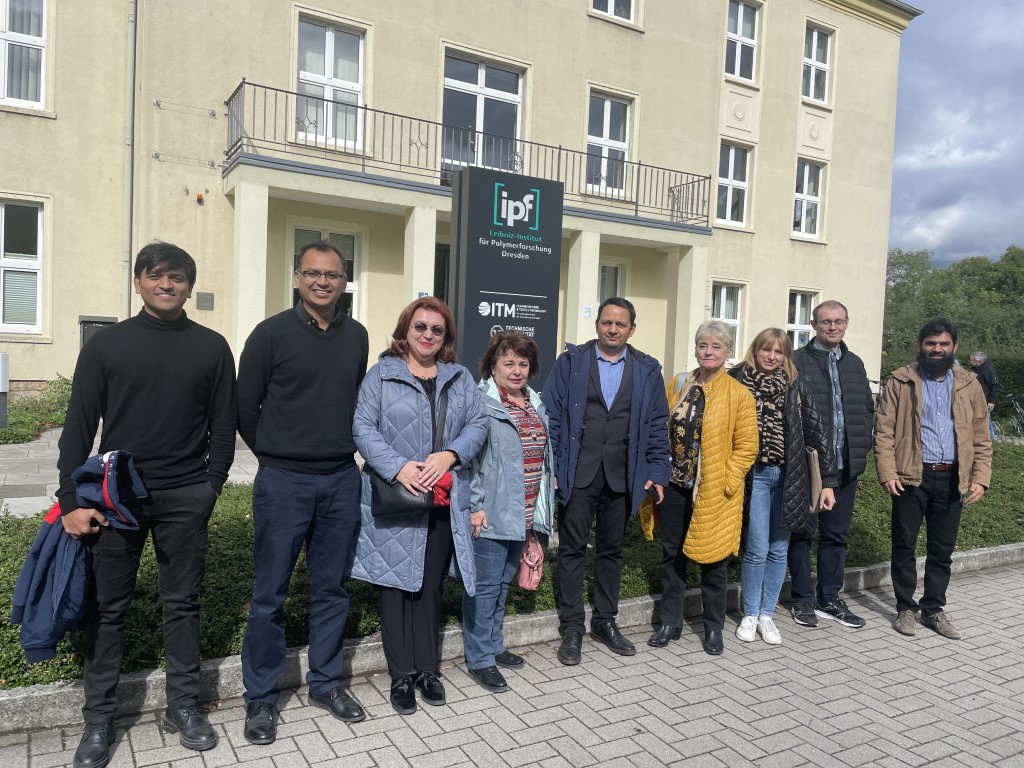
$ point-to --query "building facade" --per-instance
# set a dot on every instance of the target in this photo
(723, 158)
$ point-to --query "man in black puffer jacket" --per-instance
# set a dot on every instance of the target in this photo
(837, 381)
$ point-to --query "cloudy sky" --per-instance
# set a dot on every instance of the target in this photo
(958, 174)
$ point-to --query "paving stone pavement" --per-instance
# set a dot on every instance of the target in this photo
(829, 696)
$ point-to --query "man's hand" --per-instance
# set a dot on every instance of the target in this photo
(827, 499)
(991, 406)
(894, 487)
(477, 521)
(79, 522)
(975, 493)
(659, 492)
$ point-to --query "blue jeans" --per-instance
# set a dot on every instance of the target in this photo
(764, 560)
(496, 563)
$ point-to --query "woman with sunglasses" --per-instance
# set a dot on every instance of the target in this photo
(779, 483)
(407, 556)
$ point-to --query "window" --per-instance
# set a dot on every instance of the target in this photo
(741, 40)
(725, 306)
(330, 84)
(21, 265)
(607, 143)
(22, 52)
(346, 243)
(611, 281)
(815, 80)
(732, 184)
(623, 9)
(808, 198)
(480, 116)
(798, 324)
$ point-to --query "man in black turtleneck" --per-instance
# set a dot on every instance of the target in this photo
(164, 387)
(298, 378)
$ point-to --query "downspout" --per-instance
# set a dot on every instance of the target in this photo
(129, 159)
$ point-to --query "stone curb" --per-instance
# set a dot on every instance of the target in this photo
(56, 704)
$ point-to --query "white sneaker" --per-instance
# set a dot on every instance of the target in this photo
(747, 630)
(769, 632)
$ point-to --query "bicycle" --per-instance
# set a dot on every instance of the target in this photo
(1016, 422)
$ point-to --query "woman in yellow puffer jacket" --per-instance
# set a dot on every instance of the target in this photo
(713, 433)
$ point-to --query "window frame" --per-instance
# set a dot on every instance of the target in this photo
(817, 67)
(330, 84)
(7, 38)
(732, 184)
(621, 277)
(609, 10)
(794, 327)
(740, 40)
(480, 92)
(803, 200)
(722, 287)
(35, 266)
(325, 230)
(605, 143)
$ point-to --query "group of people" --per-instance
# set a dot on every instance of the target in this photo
(728, 461)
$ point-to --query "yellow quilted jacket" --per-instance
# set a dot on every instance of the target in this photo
(728, 447)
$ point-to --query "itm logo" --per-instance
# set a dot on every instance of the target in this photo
(496, 309)
(507, 211)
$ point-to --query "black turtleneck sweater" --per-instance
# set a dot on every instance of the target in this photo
(297, 390)
(165, 391)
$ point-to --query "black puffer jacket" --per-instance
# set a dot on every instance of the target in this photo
(803, 426)
(858, 405)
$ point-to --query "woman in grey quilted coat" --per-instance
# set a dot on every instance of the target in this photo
(407, 557)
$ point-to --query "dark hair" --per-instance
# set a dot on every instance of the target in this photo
(319, 245)
(503, 342)
(937, 327)
(399, 338)
(618, 301)
(159, 256)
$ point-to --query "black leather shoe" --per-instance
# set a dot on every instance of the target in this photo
(259, 723)
(662, 637)
(569, 650)
(339, 703)
(608, 633)
(431, 689)
(196, 731)
(713, 642)
(509, 660)
(403, 696)
(94, 748)
(490, 678)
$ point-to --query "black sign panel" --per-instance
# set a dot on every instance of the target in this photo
(506, 258)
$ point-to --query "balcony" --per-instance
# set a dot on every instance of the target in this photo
(384, 147)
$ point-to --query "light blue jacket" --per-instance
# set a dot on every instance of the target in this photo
(392, 426)
(497, 477)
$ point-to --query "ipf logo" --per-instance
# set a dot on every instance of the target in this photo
(507, 212)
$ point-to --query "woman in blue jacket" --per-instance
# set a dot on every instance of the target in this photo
(512, 496)
(408, 556)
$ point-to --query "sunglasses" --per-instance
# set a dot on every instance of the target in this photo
(437, 330)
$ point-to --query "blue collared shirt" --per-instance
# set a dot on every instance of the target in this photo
(838, 418)
(938, 435)
(611, 374)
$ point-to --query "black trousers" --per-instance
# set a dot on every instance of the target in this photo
(937, 500)
(833, 538)
(574, 523)
(410, 622)
(675, 514)
(178, 519)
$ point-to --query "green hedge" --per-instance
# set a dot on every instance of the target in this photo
(998, 519)
(28, 416)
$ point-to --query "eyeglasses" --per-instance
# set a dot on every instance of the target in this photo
(831, 323)
(437, 330)
(316, 274)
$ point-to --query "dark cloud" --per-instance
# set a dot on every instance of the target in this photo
(958, 172)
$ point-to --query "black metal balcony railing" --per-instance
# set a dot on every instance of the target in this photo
(276, 123)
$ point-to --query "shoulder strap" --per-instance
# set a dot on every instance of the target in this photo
(442, 406)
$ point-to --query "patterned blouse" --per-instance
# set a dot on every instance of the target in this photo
(769, 391)
(531, 432)
(684, 426)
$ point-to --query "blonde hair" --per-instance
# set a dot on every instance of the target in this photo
(766, 339)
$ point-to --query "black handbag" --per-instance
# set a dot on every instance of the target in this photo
(391, 499)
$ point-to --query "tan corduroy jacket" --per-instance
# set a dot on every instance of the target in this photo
(898, 429)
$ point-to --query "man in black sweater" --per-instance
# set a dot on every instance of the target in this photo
(836, 380)
(298, 379)
(164, 387)
(989, 384)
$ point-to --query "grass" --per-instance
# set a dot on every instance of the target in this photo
(997, 519)
(28, 416)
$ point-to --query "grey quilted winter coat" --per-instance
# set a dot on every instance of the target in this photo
(392, 426)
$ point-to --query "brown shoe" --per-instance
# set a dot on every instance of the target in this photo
(942, 623)
(906, 623)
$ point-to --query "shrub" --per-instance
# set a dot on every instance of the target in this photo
(28, 416)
